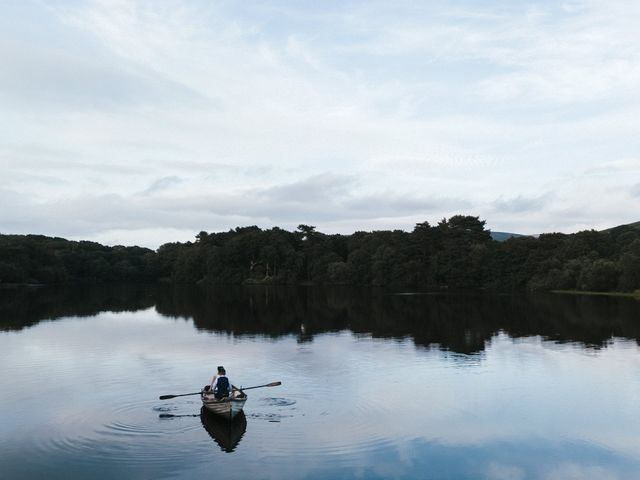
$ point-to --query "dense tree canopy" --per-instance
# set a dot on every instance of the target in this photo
(40, 259)
(456, 253)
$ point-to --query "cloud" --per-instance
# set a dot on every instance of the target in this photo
(571, 470)
(521, 204)
(46, 77)
(162, 184)
(615, 166)
(390, 204)
(326, 200)
(357, 116)
(317, 188)
(499, 471)
(522, 52)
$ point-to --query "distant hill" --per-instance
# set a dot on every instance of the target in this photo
(628, 226)
(502, 236)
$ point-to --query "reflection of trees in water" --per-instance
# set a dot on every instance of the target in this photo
(460, 322)
(22, 307)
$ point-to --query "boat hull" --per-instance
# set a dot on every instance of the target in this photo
(225, 407)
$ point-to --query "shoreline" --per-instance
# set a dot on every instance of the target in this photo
(635, 295)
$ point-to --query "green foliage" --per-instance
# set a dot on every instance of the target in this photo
(40, 259)
(339, 273)
(598, 276)
(629, 266)
(456, 253)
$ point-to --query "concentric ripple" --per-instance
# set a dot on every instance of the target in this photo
(131, 434)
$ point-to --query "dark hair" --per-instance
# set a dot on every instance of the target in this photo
(221, 370)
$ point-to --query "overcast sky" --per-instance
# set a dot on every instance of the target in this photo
(146, 122)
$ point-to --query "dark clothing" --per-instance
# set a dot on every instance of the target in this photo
(222, 387)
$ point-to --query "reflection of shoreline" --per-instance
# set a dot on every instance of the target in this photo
(22, 307)
(227, 434)
(462, 322)
(635, 294)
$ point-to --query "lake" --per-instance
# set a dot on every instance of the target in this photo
(375, 384)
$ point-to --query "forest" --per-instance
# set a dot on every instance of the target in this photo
(456, 253)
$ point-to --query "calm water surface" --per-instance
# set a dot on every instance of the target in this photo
(376, 384)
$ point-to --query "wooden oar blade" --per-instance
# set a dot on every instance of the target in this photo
(272, 384)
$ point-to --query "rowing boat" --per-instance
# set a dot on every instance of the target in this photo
(227, 407)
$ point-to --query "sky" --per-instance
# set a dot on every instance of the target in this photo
(144, 122)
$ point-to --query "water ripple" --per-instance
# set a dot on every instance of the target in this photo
(127, 434)
(277, 402)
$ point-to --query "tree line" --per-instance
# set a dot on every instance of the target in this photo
(52, 260)
(456, 253)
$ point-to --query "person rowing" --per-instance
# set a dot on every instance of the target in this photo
(220, 384)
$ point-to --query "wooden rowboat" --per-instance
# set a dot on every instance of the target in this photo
(227, 407)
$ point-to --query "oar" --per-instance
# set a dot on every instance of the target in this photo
(166, 397)
(272, 384)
